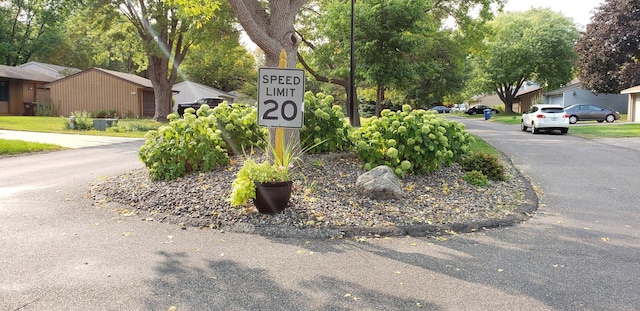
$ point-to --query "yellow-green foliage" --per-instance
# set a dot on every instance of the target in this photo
(411, 141)
(324, 128)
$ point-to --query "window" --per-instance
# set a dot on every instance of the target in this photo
(4, 91)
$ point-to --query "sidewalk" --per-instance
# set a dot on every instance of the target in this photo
(65, 140)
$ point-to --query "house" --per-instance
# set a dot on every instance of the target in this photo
(633, 103)
(572, 93)
(524, 97)
(53, 71)
(521, 101)
(99, 89)
(489, 100)
(19, 89)
(191, 91)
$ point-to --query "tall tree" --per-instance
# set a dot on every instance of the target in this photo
(30, 29)
(167, 29)
(220, 61)
(609, 50)
(95, 39)
(533, 45)
(270, 26)
(431, 56)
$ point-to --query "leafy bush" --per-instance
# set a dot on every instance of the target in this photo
(476, 178)
(185, 145)
(100, 114)
(112, 113)
(46, 110)
(324, 126)
(486, 163)
(411, 141)
(125, 125)
(83, 121)
(239, 126)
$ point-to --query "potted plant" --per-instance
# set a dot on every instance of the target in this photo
(268, 183)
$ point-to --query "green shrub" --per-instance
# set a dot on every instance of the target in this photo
(411, 141)
(476, 178)
(83, 121)
(486, 163)
(324, 126)
(100, 114)
(46, 110)
(185, 145)
(112, 113)
(238, 125)
(125, 125)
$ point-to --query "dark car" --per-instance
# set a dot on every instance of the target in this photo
(591, 112)
(479, 109)
(212, 102)
(441, 109)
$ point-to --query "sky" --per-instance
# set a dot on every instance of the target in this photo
(579, 11)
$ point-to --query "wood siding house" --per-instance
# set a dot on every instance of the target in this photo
(99, 89)
(19, 89)
(523, 99)
(633, 103)
(572, 94)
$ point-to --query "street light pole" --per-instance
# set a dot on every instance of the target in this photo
(352, 88)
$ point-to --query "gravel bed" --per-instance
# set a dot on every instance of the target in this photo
(324, 204)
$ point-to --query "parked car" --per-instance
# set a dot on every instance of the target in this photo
(591, 112)
(212, 102)
(479, 109)
(546, 118)
(441, 109)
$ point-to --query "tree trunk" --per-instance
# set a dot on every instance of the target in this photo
(158, 70)
(379, 99)
(272, 30)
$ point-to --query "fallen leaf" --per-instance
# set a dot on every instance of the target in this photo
(605, 239)
(500, 270)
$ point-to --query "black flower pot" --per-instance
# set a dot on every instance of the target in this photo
(273, 197)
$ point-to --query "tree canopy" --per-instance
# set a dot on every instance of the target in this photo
(533, 45)
(402, 46)
(609, 50)
(31, 29)
(167, 29)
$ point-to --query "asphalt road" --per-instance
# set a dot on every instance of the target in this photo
(578, 252)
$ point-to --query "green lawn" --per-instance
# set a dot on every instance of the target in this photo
(136, 127)
(12, 147)
(602, 130)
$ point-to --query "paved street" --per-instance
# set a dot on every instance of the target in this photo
(578, 252)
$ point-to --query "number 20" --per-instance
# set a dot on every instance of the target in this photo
(268, 113)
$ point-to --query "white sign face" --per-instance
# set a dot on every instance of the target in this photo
(280, 97)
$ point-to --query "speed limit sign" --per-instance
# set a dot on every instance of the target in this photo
(280, 97)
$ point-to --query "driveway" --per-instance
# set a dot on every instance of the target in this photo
(578, 252)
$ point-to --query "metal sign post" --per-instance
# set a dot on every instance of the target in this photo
(280, 99)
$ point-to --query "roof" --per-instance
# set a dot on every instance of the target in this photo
(635, 89)
(18, 73)
(528, 90)
(55, 70)
(143, 82)
(574, 84)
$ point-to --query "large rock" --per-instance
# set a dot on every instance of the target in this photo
(379, 183)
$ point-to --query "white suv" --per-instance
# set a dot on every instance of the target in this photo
(545, 117)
